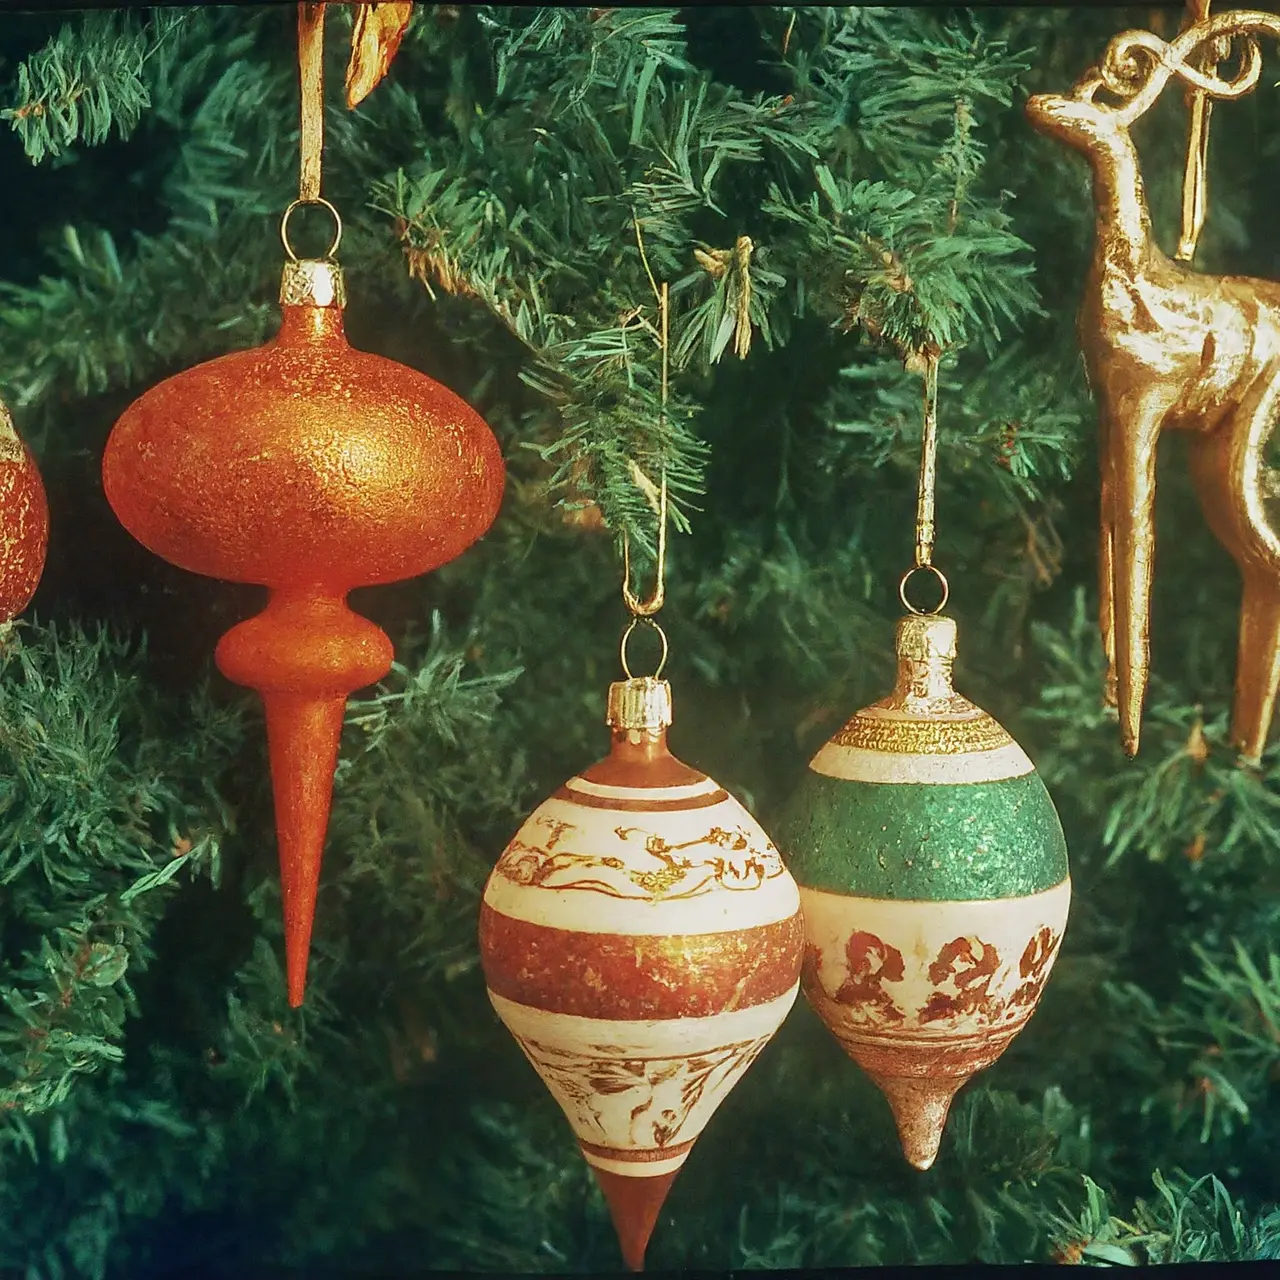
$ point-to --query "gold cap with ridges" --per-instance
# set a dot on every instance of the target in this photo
(926, 645)
(926, 638)
(641, 704)
(312, 282)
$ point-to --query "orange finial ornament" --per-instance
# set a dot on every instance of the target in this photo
(310, 468)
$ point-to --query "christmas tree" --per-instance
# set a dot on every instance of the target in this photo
(828, 193)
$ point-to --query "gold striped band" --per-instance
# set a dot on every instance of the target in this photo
(922, 737)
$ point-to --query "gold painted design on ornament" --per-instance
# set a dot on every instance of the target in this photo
(657, 1095)
(555, 828)
(670, 877)
(922, 737)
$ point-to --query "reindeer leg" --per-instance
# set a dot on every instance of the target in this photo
(1257, 664)
(1133, 460)
(1226, 467)
(1106, 556)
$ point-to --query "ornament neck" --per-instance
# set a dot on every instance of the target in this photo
(926, 654)
(312, 296)
(639, 713)
(11, 447)
(309, 323)
(639, 746)
(924, 680)
(641, 758)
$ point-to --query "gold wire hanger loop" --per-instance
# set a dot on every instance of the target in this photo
(647, 621)
(298, 204)
(647, 608)
(942, 582)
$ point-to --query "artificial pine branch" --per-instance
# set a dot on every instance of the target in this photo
(100, 816)
(88, 79)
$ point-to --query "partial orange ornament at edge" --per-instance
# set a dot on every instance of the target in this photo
(310, 468)
(24, 522)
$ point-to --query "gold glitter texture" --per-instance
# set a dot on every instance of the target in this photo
(922, 737)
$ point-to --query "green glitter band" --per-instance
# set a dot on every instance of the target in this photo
(952, 842)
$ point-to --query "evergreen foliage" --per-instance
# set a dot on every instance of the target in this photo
(830, 193)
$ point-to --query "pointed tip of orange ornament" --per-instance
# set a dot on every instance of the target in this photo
(920, 1106)
(304, 656)
(634, 1204)
(297, 951)
(303, 735)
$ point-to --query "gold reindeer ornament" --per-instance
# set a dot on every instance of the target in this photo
(1170, 348)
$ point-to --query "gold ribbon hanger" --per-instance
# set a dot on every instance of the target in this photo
(1195, 189)
(311, 76)
(376, 34)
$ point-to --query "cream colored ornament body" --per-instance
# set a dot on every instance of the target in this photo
(642, 940)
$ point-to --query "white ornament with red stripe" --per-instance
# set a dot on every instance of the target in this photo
(642, 940)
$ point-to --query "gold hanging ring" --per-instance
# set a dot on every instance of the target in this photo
(337, 222)
(626, 635)
(942, 582)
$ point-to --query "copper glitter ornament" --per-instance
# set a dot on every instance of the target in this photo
(24, 522)
(310, 468)
(641, 939)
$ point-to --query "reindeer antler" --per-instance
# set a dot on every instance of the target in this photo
(1138, 64)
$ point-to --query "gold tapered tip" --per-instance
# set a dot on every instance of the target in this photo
(920, 1106)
